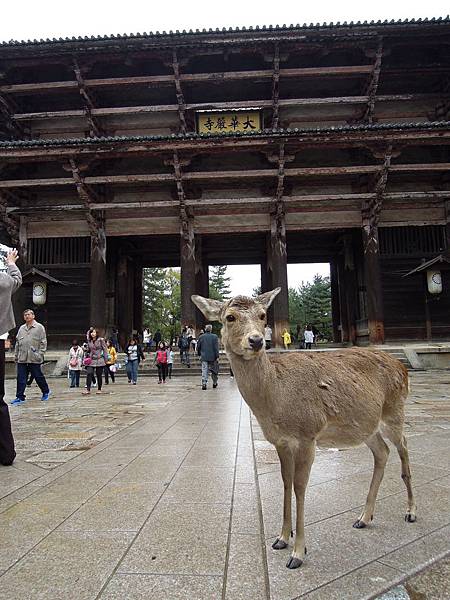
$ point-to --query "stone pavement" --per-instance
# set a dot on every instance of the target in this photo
(166, 491)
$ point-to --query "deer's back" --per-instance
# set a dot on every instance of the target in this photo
(338, 393)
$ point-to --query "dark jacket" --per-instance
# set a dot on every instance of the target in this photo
(208, 347)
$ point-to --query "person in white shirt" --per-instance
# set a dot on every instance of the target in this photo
(309, 337)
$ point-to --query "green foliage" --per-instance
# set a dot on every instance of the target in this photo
(310, 304)
(219, 283)
(162, 301)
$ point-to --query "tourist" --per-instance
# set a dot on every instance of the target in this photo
(74, 363)
(147, 339)
(115, 339)
(157, 338)
(208, 350)
(268, 336)
(286, 338)
(110, 367)
(309, 337)
(94, 360)
(169, 361)
(183, 345)
(10, 282)
(161, 362)
(31, 344)
(134, 354)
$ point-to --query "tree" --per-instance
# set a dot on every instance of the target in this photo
(310, 304)
(219, 283)
(162, 301)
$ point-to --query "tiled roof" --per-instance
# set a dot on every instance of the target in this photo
(168, 35)
(216, 136)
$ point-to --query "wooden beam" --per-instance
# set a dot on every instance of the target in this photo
(57, 86)
(7, 110)
(94, 129)
(286, 102)
(276, 86)
(179, 91)
(224, 175)
(372, 86)
(10, 223)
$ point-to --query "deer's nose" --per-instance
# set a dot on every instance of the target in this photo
(256, 342)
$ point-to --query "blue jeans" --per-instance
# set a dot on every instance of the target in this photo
(212, 367)
(74, 378)
(35, 370)
(132, 370)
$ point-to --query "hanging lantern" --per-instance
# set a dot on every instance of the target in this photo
(39, 292)
(434, 281)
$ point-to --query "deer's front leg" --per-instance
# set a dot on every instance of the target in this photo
(303, 460)
(287, 472)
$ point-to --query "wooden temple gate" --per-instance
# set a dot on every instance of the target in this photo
(269, 146)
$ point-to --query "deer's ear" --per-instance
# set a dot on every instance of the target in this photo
(267, 298)
(209, 307)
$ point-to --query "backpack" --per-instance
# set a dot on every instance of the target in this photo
(161, 357)
(184, 343)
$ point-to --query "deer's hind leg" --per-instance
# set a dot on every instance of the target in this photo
(380, 453)
(287, 473)
(395, 435)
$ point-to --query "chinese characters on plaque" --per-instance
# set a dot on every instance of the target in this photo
(219, 122)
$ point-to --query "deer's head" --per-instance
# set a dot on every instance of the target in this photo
(243, 320)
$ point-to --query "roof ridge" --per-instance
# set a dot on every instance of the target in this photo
(253, 134)
(217, 30)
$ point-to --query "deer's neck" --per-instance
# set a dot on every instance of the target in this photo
(255, 379)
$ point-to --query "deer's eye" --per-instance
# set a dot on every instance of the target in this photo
(262, 316)
(231, 318)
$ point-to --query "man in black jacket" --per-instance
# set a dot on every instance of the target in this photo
(208, 350)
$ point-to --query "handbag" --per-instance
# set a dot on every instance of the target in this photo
(87, 361)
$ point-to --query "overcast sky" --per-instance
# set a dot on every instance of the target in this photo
(30, 19)
(36, 19)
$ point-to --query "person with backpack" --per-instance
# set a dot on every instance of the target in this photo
(183, 344)
(161, 362)
(75, 362)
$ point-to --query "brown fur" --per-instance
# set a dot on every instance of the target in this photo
(330, 399)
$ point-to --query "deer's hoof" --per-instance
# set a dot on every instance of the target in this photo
(294, 563)
(410, 517)
(359, 524)
(279, 544)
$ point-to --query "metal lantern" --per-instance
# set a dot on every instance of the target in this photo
(434, 281)
(39, 292)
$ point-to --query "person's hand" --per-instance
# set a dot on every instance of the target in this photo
(12, 257)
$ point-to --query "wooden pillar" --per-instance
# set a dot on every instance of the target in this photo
(188, 273)
(124, 313)
(201, 281)
(351, 288)
(374, 290)
(98, 280)
(277, 262)
(335, 303)
(344, 338)
(137, 298)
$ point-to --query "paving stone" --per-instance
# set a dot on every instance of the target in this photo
(246, 569)
(67, 564)
(163, 587)
(181, 539)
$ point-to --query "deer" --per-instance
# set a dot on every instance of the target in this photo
(303, 400)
